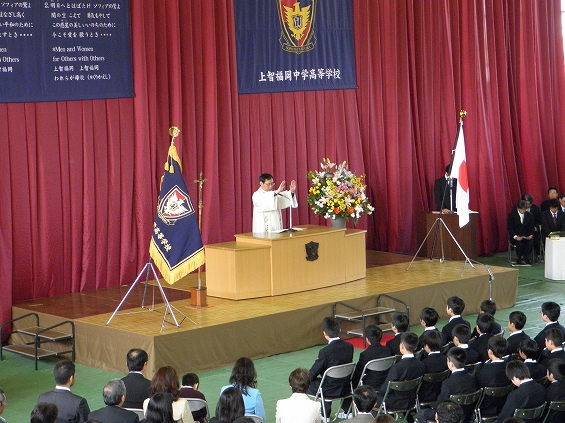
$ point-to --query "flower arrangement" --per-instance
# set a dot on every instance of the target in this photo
(337, 192)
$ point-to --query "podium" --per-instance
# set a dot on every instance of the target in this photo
(465, 236)
(269, 264)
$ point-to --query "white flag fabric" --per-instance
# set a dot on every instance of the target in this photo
(459, 171)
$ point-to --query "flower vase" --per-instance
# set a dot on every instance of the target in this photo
(338, 222)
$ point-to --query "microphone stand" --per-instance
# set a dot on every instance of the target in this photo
(290, 229)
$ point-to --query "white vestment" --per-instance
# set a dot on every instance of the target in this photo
(267, 209)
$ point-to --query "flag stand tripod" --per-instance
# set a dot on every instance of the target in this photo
(168, 307)
(439, 223)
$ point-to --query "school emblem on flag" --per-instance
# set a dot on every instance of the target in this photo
(176, 244)
(297, 35)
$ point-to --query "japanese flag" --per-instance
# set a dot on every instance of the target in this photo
(459, 171)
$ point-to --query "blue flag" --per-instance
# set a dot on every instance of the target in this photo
(176, 243)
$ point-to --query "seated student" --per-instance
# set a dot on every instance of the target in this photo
(189, 389)
(399, 325)
(553, 343)
(493, 374)
(552, 220)
(484, 329)
(460, 382)
(516, 322)
(528, 351)
(488, 306)
(529, 394)
(454, 307)
(407, 368)
(435, 362)
(550, 312)
(428, 319)
(335, 353)
(365, 399)
(298, 408)
(461, 336)
(521, 232)
(374, 350)
(556, 389)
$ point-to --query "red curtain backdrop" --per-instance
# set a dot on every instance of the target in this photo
(79, 180)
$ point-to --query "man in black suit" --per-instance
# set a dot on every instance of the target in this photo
(460, 382)
(399, 325)
(521, 232)
(529, 394)
(335, 353)
(114, 395)
(554, 346)
(488, 306)
(536, 212)
(552, 192)
(484, 328)
(461, 336)
(528, 351)
(493, 375)
(71, 407)
(445, 189)
(550, 312)
(434, 361)
(407, 368)
(556, 389)
(137, 386)
(454, 308)
(552, 220)
(516, 322)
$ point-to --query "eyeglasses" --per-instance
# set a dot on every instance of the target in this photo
(270, 184)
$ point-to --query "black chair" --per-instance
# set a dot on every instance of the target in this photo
(543, 381)
(255, 418)
(554, 407)
(377, 365)
(342, 372)
(473, 368)
(446, 348)
(467, 402)
(431, 378)
(495, 392)
(530, 413)
(400, 386)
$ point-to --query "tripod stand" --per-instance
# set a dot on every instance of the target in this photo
(168, 307)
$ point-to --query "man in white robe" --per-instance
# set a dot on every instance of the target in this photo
(268, 203)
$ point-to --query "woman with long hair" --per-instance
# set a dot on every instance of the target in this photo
(160, 409)
(230, 406)
(244, 378)
(166, 380)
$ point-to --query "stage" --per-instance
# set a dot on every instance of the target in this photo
(228, 329)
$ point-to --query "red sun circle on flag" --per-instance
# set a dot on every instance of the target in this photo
(463, 180)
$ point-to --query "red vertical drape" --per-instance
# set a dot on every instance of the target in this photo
(80, 179)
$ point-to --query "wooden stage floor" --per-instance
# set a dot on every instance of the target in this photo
(216, 335)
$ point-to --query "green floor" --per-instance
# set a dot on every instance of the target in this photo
(22, 384)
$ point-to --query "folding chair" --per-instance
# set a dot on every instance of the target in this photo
(138, 411)
(401, 386)
(556, 407)
(377, 365)
(495, 392)
(446, 348)
(255, 418)
(467, 402)
(197, 404)
(530, 413)
(474, 367)
(431, 378)
(343, 372)
(543, 381)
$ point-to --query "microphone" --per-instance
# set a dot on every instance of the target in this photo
(450, 181)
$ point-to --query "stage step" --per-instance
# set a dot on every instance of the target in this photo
(360, 319)
(40, 336)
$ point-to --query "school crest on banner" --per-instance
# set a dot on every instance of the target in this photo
(176, 243)
(297, 25)
(294, 45)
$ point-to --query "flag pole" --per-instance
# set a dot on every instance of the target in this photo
(198, 295)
